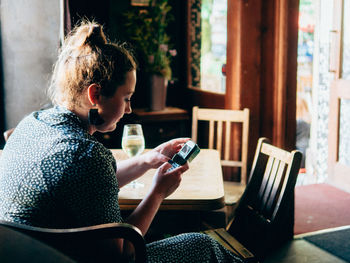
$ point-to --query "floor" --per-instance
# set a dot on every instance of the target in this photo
(320, 206)
(301, 251)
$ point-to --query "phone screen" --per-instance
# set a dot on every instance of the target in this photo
(187, 153)
(185, 150)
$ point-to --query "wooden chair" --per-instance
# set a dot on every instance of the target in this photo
(81, 244)
(18, 247)
(233, 190)
(264, 217)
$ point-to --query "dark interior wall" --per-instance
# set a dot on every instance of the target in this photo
(110, 14)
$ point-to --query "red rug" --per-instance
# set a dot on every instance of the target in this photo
(320, 206)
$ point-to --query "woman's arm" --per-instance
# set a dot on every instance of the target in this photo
(164, 184)
(132, 168)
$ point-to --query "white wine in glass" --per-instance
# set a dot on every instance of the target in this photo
(133, 144)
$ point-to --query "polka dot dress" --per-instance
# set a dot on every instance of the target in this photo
(189, 247)
(54, 174)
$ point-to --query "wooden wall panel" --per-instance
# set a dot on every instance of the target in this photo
(285, 69)
(291, 83)
(243, 88)
(261, 70)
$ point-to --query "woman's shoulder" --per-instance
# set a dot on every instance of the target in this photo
(51, 120)
(83, 146)
(77, 155)
(56, 133)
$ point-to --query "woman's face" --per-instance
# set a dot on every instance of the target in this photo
(112, 109)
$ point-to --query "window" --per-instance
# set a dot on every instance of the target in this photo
(213, 45)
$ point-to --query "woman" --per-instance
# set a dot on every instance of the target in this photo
(55, 174)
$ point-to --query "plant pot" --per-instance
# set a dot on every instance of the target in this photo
(159, 85)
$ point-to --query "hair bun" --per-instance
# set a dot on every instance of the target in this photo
(95, 36)
(87, 34)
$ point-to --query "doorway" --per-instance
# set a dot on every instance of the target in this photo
(339, 103)
(324, 104)
(318, 55)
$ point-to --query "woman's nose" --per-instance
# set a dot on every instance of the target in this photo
(128, 109)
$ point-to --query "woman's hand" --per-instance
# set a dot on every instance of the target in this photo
(163, 152)
(164, 182)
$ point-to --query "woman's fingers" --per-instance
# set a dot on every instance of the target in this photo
(166, 182)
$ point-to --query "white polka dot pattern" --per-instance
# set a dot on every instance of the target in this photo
(188, 248)
(54, 174)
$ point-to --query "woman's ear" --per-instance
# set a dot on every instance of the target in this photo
(94, 93)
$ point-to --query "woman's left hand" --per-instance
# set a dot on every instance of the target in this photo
(163, 152)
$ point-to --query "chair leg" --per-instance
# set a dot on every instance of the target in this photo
(214, 219)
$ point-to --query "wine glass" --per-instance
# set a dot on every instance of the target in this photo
(133, 144)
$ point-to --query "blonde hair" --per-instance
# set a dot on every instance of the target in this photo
(87, 57)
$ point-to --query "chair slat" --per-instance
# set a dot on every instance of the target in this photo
(228, 140)
(270, 206)
(269, 186)
(211, 134)
(292, 169)
(219, 114)
(194, 123)
(266, 176)
(245, 134)
(264, 183)
(231, 163)
(275, 152)
(219, 137)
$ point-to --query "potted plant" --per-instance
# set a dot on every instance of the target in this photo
(146, 29)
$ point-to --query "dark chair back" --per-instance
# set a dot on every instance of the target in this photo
(85, 244)
(264, 217)
(18, 247)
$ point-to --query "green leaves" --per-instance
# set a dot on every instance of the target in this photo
(147, 29)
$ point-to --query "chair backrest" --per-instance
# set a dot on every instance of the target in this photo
(264, 217)
(216, 119)
(82, 244)
(18, 247)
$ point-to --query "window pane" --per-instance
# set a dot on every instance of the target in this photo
(213, 45)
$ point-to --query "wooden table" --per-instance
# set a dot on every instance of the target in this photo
(201, 188)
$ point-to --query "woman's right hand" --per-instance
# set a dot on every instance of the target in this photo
(164, 182)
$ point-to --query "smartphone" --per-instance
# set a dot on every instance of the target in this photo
(187, 153)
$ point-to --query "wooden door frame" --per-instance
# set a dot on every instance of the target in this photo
(261, 68)
(337, 172)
